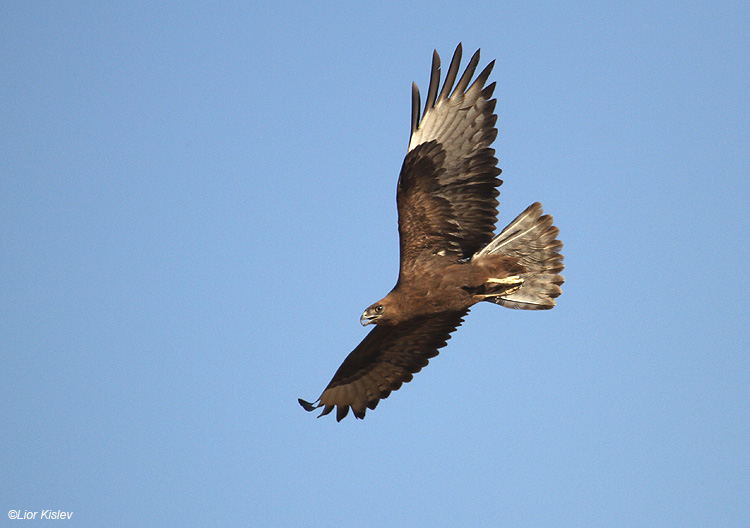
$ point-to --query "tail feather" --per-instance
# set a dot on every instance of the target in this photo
(532, 239)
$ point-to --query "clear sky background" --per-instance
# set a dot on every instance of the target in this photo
(197, 202)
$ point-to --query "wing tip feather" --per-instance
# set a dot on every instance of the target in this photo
(415, 106)
(434, 82)
(306, 405)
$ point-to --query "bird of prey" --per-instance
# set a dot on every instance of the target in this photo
(450, 260)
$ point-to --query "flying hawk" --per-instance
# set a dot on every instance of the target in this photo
(450, 260)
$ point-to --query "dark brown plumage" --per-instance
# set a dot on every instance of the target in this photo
(450, 260)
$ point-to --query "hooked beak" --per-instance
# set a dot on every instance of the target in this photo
(366, 319)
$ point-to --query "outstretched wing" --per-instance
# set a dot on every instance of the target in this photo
(448, 184)
(388, 357)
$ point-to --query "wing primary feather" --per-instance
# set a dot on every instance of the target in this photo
(415, 106)
(452, 74)
(468, 73)
(309, 407)
(434, 81)
(479, 82)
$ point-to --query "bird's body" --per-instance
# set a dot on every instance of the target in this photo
(450, 258)
(451, 286)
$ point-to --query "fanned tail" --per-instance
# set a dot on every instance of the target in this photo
(532, 239)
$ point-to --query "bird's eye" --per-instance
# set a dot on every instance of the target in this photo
(379, 308)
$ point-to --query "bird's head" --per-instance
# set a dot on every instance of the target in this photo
(387, 311)
(374, 313)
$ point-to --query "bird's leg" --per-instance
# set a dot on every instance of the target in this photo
(512, 284)
(513, 279)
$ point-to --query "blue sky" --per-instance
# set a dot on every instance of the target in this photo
(198, 201)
